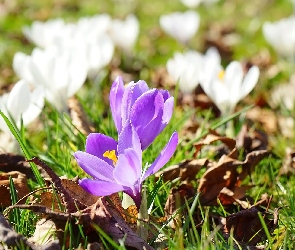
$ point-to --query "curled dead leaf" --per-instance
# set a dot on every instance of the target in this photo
(214, 137)
(20, 184)
(224, 174)
(251, 140)
(186, 170)
(176, 200)
(78, 117)
(247, 227)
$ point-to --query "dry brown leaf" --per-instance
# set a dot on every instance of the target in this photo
(214, 137)
(252, 159)
(223, 174)
(228, 197)
(11, 162)
(186, 170)
(78, 117)
(246, 225)
(251, 140)
(175, 200)
(52, 201)
(20, 184)
(78, 193)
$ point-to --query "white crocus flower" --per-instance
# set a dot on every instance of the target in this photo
(227, 87)
(94, 26)
(60, 72)
(95, 52)
(280, 36)
(43, 33)
(187, 68)
(181, 26)
(20, 105)
(125, 32)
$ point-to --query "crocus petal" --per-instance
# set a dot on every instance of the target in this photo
(36, 106)
(100, 187)
(146, 116)
(18, 100)
(129, 139)
(164, 156)
(233, 77)
(21, 66)
(132, 92)
(116, 95)
(249, 81)
(128, 168)
(94, 166)
(168, 111)
(97, 144)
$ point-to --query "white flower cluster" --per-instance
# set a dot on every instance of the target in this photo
(226, 87)
(65, 55)
(69, 52)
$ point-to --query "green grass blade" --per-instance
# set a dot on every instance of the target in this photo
(24, 148)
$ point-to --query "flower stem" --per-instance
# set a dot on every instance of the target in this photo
(143, 217)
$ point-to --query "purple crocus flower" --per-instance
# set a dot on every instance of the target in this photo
(149, 110)
(117, 166)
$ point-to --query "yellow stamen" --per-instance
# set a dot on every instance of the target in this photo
(111, 154)
(221, 75)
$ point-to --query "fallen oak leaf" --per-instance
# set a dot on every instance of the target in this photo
(78, 193)
(214, 137)
(78, 117)
(228, 197)
(11, 162)
(176, 200)
(20, 184)
(224, 174)
(247, 227)
(186, 170)
(249, 141)
(252, 159)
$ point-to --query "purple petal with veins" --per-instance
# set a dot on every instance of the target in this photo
(94, 166)
(116, 96)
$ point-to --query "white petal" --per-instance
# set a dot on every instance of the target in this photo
(233, 81)
(36, 106)
(18, 100)
(249, 82)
